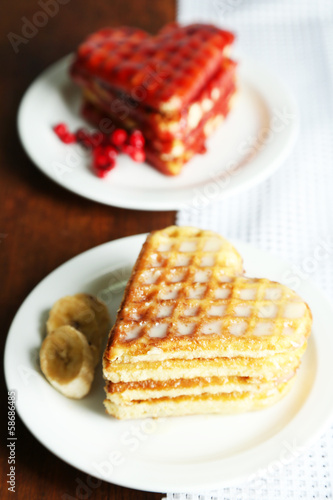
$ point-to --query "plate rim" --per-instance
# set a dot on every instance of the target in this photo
(142, 484)
(167, 203)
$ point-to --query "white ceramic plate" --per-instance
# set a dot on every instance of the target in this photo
(247, 148)
(175, 454)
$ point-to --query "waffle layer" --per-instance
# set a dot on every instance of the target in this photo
(167, 157)
(269, 367)
(223, 404)
(170, 69)
(151, 389)
(170, 142)
(154, 125)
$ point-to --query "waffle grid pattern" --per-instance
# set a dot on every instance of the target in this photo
(192, 307)
(185, 285)
(183, 58)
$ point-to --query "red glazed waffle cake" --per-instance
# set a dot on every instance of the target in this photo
(176, 87)
(193, 335)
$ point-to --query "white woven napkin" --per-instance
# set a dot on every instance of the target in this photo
(291, 214)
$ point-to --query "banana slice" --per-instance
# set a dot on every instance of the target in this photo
(84, 312)
(102, 316)
(68, 362)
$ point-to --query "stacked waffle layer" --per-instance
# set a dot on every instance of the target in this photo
(176, 87)
(193, 335)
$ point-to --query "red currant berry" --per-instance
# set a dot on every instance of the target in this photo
(118, 137)
(83, 137)
(101, 173)
(138, 155)
(111, 152)
(60, 129)
(136, 139)
(112, 163)
(81, 134)
(101, 168)
(127, 149)
(96, 138)
(101, 161)
(68, 138)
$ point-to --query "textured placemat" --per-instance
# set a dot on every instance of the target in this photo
(291, 214)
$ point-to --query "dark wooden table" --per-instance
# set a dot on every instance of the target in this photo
(41, 224)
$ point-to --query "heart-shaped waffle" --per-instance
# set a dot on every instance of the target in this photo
(165, 71)
(175, 87)
(188, 312)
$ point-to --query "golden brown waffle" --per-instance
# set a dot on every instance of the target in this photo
(184, 301)
(187, 314)
(223, 404)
